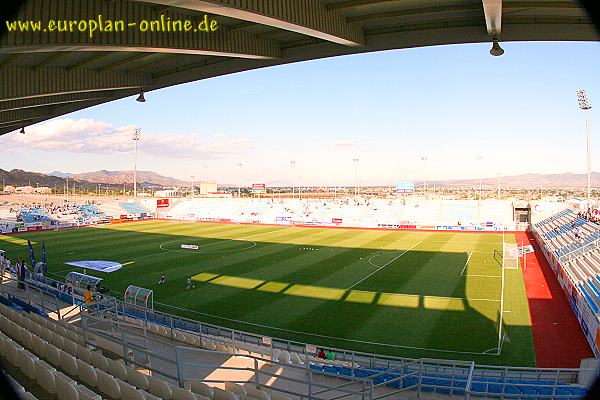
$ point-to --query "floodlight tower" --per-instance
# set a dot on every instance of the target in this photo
(136, 138)
(240, 184)
(424, 159)
(585, 105)
(498, 185)
(355, 160)
(479, 158)
(293, 164)
(192, 186)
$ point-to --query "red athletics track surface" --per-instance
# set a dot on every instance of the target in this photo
(557, 335)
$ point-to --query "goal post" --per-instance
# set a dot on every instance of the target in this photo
(510, 255)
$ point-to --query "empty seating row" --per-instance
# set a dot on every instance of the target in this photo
(453, 384)
(60, 363)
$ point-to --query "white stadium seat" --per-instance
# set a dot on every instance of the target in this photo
(84, 354)
(235, 388)
(202, 389)
(45, 376)
(131, 393)
(254, 393)
(159, 388)
(221, 394)
(117, 369)
(137, 379)
(12, 350)
(99, 361)
(182, 394)
(68, 363)
(27, 363)
(53, 354)
(65, 387)
(86, 373)
(108, 385)
(87, 394)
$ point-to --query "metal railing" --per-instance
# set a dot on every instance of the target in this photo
(115, 312)
(586, 248)
(45, 301)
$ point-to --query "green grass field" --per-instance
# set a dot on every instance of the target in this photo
(413, 294)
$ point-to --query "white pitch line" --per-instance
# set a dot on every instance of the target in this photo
(451, 243)
(325, 336)
(386, 264)
(167, 251)
(467, 263)
(222, 241)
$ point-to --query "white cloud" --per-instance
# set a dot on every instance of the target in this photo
(91, 136)
(348, 143)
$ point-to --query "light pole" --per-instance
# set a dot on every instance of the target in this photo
(192, 186)
(498, 185)
(585, 105)
(424, 159)
(479, 158)
(293, 163)
(240, 184)
(136, 138)
(355, 176)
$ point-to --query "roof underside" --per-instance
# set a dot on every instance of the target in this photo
(45, 75)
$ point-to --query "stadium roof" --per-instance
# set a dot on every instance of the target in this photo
(45, 74)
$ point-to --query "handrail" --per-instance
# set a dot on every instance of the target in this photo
(200, 329)
(40, 292)
(120, 334)
(593, 245)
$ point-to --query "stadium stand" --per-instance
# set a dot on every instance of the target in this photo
(365, 213)
(571, 243)
(102, 353)
(134, 208)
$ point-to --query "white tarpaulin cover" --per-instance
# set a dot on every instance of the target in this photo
(97, 265)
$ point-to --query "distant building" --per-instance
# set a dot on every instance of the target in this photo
(24, 189)
(43, 189)
(167, 193)
(207, 187)
(9, 189)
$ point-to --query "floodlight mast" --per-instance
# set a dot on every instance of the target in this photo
(293, 163)
(585, 105)
(239, 165)
(136, 138)
(355, 160)
(424, 159)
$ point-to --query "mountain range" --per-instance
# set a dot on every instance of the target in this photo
(19, 177)
(120, 177)
(567, 179)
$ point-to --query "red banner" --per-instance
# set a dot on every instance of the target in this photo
(336, 220)
(162, 203)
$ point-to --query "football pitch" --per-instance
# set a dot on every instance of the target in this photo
(411, 294)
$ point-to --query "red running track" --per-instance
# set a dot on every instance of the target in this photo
(557, 335)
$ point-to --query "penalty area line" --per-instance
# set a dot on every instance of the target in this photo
(386, 264)
(462, 273)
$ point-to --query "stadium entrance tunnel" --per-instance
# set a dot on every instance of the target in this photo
(412, 294)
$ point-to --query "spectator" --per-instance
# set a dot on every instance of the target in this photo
(88, 298)
(321, 354)
(330, 355)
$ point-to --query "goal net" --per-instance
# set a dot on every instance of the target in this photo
(510, 256)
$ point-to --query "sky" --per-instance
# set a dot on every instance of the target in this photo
(389, 109)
